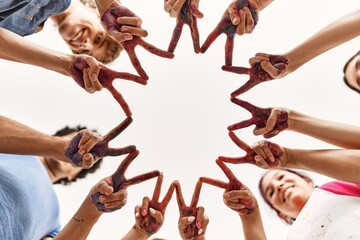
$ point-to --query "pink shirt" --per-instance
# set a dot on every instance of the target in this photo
(342, 188)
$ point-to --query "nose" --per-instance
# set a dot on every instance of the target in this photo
(85, 43)
(278, 186)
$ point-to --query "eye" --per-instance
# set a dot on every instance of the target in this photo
(98, 39)
(281, 177)
(271, 193)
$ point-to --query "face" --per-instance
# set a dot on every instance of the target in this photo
(286, 191)
(61, 169)
(352, 72)
(82, 31)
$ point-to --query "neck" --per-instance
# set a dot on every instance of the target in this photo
(51, 173)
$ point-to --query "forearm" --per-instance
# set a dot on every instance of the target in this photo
(16, 138)
(134, 234)
(252, 226)
(341, 164)
(336, 33)
(102, 5)
(338, 134)
(81, 223)
(19, 49)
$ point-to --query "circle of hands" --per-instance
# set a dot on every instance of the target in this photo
(87, 147)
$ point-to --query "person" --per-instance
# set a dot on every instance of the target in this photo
(28, 203)
(334, 34)
(80, 27)
(292, 194)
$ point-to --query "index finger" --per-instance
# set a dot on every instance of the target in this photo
(179, 195)
(196, 194)
(234, 13)
(117, 130)
(240, 143)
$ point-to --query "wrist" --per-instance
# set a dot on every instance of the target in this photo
(138, 233)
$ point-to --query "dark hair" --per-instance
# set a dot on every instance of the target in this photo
(82, 174)
(344, 70)
(263, 195)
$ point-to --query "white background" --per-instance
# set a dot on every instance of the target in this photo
(180, 117)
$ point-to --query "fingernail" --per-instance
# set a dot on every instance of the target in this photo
(127, 37)
(82, 152)
(257, 158)
(191, 219)
(91, 89)
(236, 20)
(115, 32)
(226, 195)
(153, 211)
(94, 76)
(143, 212)
(137, 214)
(200, 231)
(198, 224)
(124, 29)
(102, 198)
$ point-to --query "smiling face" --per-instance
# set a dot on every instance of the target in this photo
(81, 29)
(352, 73)
(287, 192)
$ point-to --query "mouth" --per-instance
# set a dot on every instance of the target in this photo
(286, 193)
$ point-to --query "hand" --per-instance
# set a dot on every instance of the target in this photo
(114, 25)
(109, 200)
(263, 154)
(197, 222)
(257, 73)
(149, 216)
(245, 206)
(80, 71)
(243, 17)
(237, 200)
(266, 62)
(118, 181)
(268, 121)
(86, 147)
(226, 26)
(187, 15)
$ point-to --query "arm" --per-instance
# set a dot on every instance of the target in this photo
(342, 135)
(16, 138)
(19, 49)
(134, 233)
(251, 220)
(336, 33)
(81, 223)
(341, 164)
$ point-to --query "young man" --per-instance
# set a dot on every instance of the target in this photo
(28, 204)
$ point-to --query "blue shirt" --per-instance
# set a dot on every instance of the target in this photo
(29, 208)
(25, 16)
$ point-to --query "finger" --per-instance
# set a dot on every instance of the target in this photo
(240, 143)
(267, 151)
(133, 21)
(103, 188)
(272, 119)
(142, 178)
(258, 59)
(120, 151)
(134, 31)
(199, 216)
(117, 130)
(205, 222)
(120, 99)
(238, 70)
(90, 143)
(116, 196)
(214, 182)
(120, 37)
(240, 29)
(87, 81)
(167, 197)
(145, 206)
(157, 189)
(157, 215)
(168, 5)
(258, 150)
(115, 204)
(235, 195)
(175, 10)
(195, 9)
(87, 160)
(234, 14)
(235, 206)
(233, 160)
(137, 211)
(85, 136)
(269, 68)
(261, 162)
(179, 195)
(94, 70)
(155, 50)
(242, 124)
(249, 25)
(271, 134)
(185, 221)
(196, 194)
